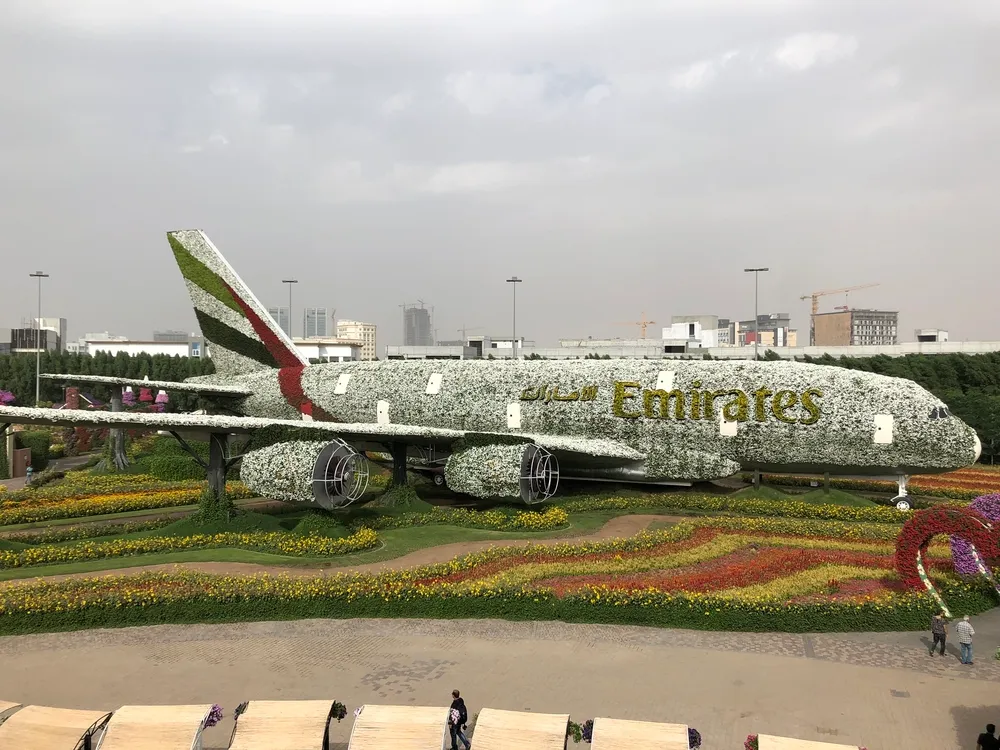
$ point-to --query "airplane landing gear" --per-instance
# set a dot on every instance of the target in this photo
(902, 500)
(439, 480)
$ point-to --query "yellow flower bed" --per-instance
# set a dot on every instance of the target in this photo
(277, 543)
(25, 512)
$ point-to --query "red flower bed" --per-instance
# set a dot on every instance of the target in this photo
(924, 525)
(743, 568)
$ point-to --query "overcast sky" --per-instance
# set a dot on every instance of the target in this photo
(621, 157)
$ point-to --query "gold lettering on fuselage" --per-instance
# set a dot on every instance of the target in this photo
(546, 395)
(632, 401)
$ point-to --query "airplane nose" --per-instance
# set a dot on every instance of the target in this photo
(978, 447)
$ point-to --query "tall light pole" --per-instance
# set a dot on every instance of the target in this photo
(290, 282)
(38, 338)
(513, 343)
(756, 320)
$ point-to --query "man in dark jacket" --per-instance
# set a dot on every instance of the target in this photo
(457, 720)
(939, 631)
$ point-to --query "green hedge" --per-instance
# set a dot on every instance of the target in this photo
(725, 504)
(173, 468)
(38, 442)
(826, 617)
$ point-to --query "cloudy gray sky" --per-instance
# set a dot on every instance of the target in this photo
(620, 156)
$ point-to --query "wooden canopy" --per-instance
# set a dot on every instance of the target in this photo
(400, 728)
(282, 725)
(154, 727)
(44, 728)
(7, 707)
(619, 734)
(768, 742)
(520, 730)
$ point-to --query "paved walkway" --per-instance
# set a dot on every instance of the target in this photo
(880, 690)
(57, 464)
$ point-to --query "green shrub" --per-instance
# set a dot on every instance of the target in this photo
(38, 442)
(173, 468)
(4, 469)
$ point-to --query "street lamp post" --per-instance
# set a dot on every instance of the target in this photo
(38, 338)
(756, 320)
(513, 343)
(290, 282)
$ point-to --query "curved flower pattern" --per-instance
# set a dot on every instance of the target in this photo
(961, 551)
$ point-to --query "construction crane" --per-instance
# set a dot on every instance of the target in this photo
(641, 323)
(815, 305)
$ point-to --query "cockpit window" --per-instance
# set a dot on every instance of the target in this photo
(940, 412)
(934, 413)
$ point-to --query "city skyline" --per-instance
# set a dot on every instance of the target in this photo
(630, 160)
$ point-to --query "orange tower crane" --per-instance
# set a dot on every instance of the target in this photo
(815, 305)
(641, 323)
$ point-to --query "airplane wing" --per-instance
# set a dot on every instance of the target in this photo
(207, 389)
(383, 433)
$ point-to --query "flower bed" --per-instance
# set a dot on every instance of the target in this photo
(491, 520)
(278, 543)
(725, 504)
(96, 505)
(964, 484)
(706, 574)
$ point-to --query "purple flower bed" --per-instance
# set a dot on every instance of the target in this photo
(6, 398)
(961, 552)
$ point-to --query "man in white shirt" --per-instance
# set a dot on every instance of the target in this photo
(965, 632)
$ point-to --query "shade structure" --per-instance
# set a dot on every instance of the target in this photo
(619, 734)
(282, 725)
(400, 728)
(7, 708)
(44, 728)
(155, 728)
(520, 730)
(769, 742)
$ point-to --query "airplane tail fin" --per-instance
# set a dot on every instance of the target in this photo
(242, 335)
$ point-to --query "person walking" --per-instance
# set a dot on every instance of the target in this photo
(965, 632)
(987, 740)
(458, 718)
(939, 631)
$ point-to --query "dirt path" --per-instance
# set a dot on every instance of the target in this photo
(616, 528)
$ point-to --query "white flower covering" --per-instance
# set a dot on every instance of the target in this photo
(486, 471)
(193, 385)
(212, 307)
(282, 471)
(475, 394)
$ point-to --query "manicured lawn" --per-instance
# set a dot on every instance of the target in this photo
(762, 493)
(835, 497)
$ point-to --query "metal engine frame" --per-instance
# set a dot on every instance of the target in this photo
(539, 474)
(340, 475)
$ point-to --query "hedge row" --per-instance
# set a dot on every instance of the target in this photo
(490, 520)
(188, 598)
(742, 506)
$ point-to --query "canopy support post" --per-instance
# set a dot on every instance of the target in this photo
(398, 464)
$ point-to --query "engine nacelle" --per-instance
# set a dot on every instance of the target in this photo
(329, 474)
(524, 470)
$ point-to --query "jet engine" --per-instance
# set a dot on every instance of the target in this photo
(329, 474)
(524, 470)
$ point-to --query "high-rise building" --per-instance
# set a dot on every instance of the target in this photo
(355, 330)
(280, 316)
(314, 322)
(857, 328)
(56, 325)
(417, 326)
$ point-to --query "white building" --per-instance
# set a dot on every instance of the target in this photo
(58, 325)
(926, 335)
(315, 322)
(324, 350)
(694, 333)
(355, 330)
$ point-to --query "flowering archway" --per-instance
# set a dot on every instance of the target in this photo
(959, 523)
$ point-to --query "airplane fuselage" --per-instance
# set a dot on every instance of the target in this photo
(692, 419)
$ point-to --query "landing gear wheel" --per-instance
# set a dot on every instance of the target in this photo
(438, 480)
(902, 503)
